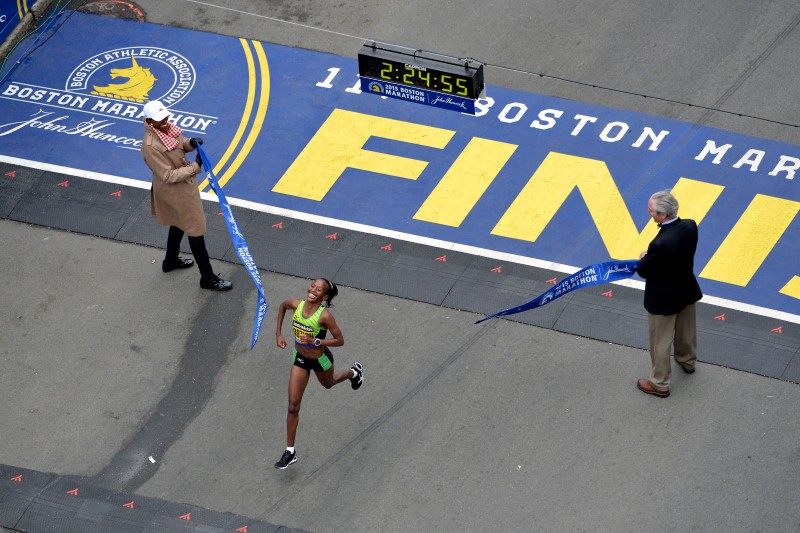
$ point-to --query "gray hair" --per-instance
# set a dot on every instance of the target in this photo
(665, 203)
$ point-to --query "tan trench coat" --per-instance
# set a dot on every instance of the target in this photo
(174, 196)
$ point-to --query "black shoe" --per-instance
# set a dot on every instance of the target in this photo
(356, 381)
(687, 370)
(216, 284)
(177, 263)
(286, 459)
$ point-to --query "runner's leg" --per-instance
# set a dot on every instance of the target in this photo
(298, 380)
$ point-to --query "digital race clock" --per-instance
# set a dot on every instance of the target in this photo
(423, 70)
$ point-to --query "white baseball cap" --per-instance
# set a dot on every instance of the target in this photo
(155, 110)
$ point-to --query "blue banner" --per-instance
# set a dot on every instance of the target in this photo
(592, 275)
(241, 247)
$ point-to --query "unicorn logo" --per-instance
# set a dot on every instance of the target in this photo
(136, 89)
(149, 73)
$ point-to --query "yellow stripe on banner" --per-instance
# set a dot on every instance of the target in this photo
(19, 9)
(261, 112)
(248, 109)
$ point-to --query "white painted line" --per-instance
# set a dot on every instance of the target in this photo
(408, 237)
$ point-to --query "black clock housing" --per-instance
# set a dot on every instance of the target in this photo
(425, 70)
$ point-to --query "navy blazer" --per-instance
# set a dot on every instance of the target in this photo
(668, 269)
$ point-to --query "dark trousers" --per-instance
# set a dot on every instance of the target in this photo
(198, 246)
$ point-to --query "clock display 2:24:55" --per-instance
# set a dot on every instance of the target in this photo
(424, 78)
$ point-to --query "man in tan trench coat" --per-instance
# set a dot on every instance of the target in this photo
(174, 196)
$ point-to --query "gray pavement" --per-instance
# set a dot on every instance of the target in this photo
(499, 427)
(458, 427)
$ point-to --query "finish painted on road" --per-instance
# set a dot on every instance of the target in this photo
(538, 179)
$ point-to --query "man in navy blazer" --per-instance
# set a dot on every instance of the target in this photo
(670, 293)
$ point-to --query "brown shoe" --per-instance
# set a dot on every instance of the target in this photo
(646, 386)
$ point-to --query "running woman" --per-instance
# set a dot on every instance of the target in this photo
(311, 323)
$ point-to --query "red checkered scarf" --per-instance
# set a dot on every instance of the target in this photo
(168, 137)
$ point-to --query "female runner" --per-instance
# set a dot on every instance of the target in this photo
(311, 322)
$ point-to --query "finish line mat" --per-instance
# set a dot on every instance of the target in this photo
(536, 180)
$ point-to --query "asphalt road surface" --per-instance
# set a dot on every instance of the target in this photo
(107, 361)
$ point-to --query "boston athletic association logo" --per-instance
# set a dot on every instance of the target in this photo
(102, 98)
(131, 74)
